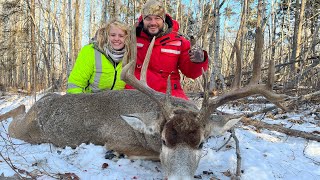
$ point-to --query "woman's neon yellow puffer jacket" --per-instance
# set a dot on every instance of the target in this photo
(94, 72)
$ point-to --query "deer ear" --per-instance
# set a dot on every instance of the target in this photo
(218, 124)
(148, 123)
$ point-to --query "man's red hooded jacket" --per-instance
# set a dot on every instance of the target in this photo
(170, 56)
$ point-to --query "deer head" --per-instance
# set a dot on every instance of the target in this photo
(183, 127)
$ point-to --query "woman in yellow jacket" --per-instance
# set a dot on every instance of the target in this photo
(99, 64)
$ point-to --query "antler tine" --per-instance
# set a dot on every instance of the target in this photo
(206, 89)
(128, 76)
(127, 61)
(143, 76)
(168, 93)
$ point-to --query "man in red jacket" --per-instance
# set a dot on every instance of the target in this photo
(171, 53)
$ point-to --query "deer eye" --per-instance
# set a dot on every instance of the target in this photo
(200, 145)
(163, 142)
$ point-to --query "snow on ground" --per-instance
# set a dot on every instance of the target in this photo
(266, 155)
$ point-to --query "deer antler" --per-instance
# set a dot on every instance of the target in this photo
(128, 76)
(254, 88)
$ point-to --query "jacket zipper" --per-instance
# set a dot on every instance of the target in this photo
(114, 66)
(115, 75)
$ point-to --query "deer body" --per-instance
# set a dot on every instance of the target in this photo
(69, 120)
(125, 121)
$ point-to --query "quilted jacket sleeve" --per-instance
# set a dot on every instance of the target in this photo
(82, 71)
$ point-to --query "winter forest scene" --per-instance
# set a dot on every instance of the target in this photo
(253, 112)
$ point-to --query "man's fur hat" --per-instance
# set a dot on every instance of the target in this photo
(153, 7)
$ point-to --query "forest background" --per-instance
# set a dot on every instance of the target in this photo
(40, 40)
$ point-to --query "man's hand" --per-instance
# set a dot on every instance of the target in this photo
(196, 54)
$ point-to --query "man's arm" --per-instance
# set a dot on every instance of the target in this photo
(189, 68)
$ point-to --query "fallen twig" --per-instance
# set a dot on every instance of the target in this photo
(238, 171)
(279, 128)
(224, 144)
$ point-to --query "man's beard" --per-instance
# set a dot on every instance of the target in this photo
(145, 29)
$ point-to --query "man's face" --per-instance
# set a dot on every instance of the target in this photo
(153, 24)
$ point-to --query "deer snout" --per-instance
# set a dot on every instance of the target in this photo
(179, 162)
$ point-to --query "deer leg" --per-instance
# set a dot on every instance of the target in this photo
(141, 153)
(136, 152)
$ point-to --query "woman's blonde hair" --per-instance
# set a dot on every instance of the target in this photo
(102, 33)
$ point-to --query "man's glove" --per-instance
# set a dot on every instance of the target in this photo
(196, 54)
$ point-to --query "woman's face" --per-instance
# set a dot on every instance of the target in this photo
(116, 37)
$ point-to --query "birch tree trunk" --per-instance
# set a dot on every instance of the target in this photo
(47, 47)
(33, 48)
(82, 9)
(103, 12)
(115, 9)
(118, 5)
(214, 44)
(216, 39)
(70, 58)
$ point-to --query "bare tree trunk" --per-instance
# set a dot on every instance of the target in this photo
(258, 48)
(178, 10)
(63, 44)
(115, 9)
(48, 45)
(296, 42)
(70, 59)
(127, 13)
(20, 79)
(299, 13)
(104, 11)
(205, 25)
(185, 31)
(272, 43)
(238, 43)
(198, 17)
(90, 20)
(81, 20)
(216, 70)
(165, 5)
(93, 22)
(76, 30)
(55, 73)
(299, 33)
(316, 16)
(111, 9)
(118, 5)
(33, 47)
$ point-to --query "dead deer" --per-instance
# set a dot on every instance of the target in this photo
(141, 123)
